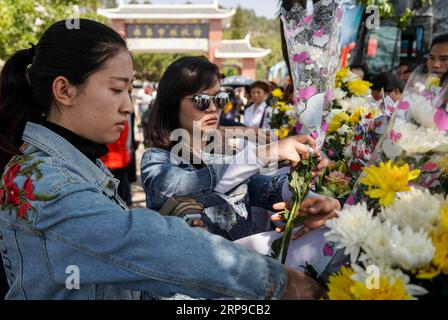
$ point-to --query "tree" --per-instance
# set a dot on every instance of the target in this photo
(110, 3)
(238, 24)
(24, 21)
(151, 66)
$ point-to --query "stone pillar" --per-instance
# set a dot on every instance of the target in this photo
(249, 68)
(120, 26)
(214, 37)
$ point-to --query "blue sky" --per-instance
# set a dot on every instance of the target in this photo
(266, 8)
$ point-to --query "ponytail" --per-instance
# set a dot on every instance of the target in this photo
(27, 77)
(16, 103)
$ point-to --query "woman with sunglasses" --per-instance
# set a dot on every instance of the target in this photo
(64, 232)
(190, 100)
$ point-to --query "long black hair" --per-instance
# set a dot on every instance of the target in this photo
(185, 76)
(27, 77)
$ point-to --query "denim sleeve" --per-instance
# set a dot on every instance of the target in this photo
(264, 191)
(139, 249)
(161, 179)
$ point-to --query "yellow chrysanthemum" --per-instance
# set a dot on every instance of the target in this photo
(428, 272)
(282, 132)
(357, 114)
(292, 122)
(279, 104)
(228, 107)
(339, 285)
(277, 93)
(432, 82)
(386, 180)
(388, 290)
(359, 87)
(337, 121)
(439, 239)
(341, 75)
(440, 259)
(443, 225)
(285, 108)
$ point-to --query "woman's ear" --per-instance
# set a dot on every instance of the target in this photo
(64, 92)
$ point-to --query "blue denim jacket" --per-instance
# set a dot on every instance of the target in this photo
(163, 177)
(119, 253)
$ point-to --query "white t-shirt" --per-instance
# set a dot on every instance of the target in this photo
(254, 116)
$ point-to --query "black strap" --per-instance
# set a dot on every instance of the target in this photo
(262, 118)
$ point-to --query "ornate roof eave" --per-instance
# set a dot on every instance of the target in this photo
(247, 52)
(221, 14)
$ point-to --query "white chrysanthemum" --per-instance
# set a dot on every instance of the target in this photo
(339, 94)
(415, 139)
(348, 152)
(377, 248)
(344, 129)
(291, 113)
(416, 208)
(422, 111)
(351, 104)
(352, 228)
(409, 249)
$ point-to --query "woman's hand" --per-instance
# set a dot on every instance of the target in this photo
(301, 287)
(318, 210)
(321, 165)
(292, 149)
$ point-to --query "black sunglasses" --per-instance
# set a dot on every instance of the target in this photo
(203, 101)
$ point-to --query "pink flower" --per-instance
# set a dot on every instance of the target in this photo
(2, 194)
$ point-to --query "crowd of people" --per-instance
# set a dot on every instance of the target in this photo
(67, 158)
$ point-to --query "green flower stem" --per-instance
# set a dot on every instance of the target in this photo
(299, 184)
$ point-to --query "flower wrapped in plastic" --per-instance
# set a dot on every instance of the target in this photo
(312, 36)
(396, 219)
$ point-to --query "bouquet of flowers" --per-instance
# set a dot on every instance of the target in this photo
(312, 36)
(355, 124)
(283, 118)
(394, 226)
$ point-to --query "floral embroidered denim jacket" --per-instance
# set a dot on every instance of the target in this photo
(60, 217)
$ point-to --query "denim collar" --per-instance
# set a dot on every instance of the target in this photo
(58, 147)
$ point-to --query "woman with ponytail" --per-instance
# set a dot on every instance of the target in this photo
(64, 232)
